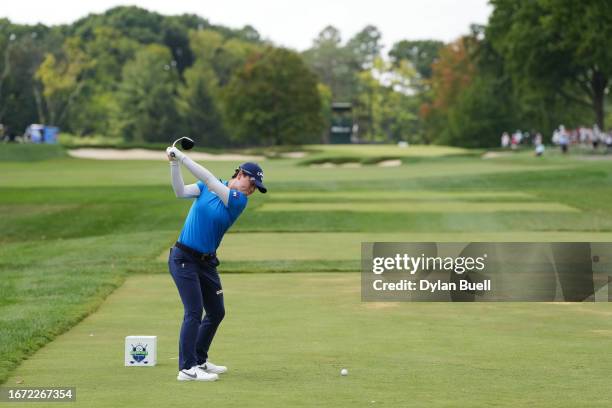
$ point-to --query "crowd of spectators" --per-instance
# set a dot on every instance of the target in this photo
(585, 137)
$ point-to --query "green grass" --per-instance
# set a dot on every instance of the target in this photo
(422, 207)
(10, 152)
(373, 154)
(390, 150)
(73, 231)
(286, 337)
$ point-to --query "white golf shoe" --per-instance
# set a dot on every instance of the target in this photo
(196, 374)
(212, 368)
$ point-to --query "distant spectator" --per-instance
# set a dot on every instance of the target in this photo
(505, 140)
(518, 136)
(515, 139)
(555, 137)
(34, 133)
(526, 138)
(597, 136)
(539, 146)
(539, 150)
(563, 139)
(574, 136)
(537, 139)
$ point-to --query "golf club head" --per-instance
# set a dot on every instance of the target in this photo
(187, 143)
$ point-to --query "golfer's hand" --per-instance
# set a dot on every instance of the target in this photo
(170, 157)
(174, 154)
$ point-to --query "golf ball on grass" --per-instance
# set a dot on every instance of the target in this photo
(344, 371)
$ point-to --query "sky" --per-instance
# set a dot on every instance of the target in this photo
(292, 24)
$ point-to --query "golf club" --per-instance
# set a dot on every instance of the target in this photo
(186, 143)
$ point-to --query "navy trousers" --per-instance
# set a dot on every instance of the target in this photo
(199, 286)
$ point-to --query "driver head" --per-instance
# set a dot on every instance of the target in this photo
(186, 143)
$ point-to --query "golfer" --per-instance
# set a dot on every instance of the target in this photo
(193, 261)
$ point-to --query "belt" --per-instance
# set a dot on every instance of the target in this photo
(200, 255)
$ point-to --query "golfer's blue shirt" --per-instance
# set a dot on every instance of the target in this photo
(209, 218)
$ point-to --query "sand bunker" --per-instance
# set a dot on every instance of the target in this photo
(144, 154)
(495, 155)
(293, 155)
(389, 163)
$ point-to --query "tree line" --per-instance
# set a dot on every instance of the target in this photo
(145, 77)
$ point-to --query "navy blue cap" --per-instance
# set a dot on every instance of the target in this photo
(253, 170)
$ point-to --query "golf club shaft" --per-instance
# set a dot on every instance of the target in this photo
(173, 144)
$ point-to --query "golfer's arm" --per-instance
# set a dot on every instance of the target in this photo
(179, 187)
(207, 178)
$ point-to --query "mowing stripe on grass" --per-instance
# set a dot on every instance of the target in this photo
(383, 195)
(338, 246)
(433, 206)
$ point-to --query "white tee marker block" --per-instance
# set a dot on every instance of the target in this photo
(140, 351)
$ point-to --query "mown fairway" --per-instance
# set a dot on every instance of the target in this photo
(73, 231)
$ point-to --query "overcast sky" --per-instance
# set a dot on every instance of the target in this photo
(288, 23)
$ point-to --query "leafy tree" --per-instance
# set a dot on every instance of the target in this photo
(557, 47)
(133, 22)
(175, 37)
(223, 55)
(478, 117)
(385, 108)
(325, 94)
(273, 99)
(399, 116)
(147, 97)
(22, 49)
(368, 103)
(332, 63)
(199, 106)
(249, 33)
(364, 47)
(472, 96)
(452, 73)
(421, 54)
(96, 103)
(61, 77)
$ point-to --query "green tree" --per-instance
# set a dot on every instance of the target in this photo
(479, 116)
(147, 97)
(224, 55)
(364, 47)
(22, 49)
(326, 97)
(199, 106)
(556, 47)
(108, 51)
(62, 79)
(273, 99)
(332, 62)
(421, 54)
(452, 73)
(132, 22)
(385, 108)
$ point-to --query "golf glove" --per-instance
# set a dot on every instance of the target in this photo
(175, 154)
